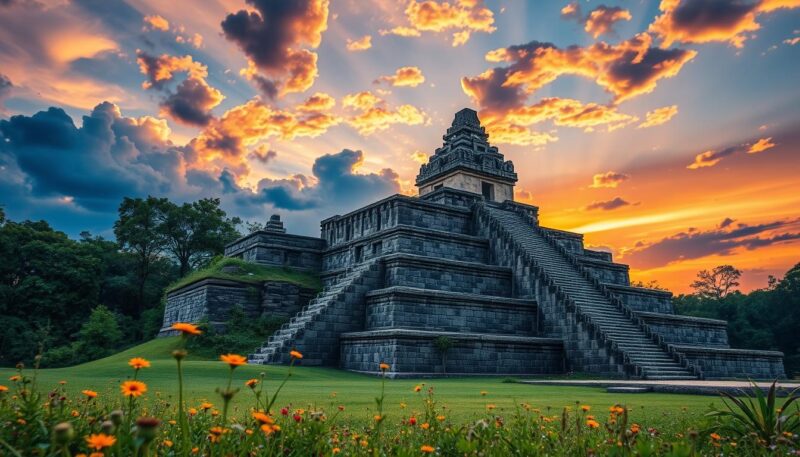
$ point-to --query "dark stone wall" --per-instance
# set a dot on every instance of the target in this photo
(572, 242)
(279, 249)
(640, 299)
(607, 272)
(409, 352)
(451, 312)
(284, 299)
(447, 275)
(735, 363)
(687, 330)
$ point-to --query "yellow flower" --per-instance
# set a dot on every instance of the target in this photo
(100, 441)
(186, 328)
(263, 418)
(251, 383)
(402, 405)
(585, 408)
(490, 407)
(138, 363)
(295, 354)
(133, 388)
(234, 360)
(592, 423)
(384, 366)
(427, 449)
(89, 393)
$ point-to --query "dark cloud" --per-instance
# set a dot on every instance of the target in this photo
(270, 37)
(701, 21)
(608, 205)
(5, 86)
(263, 155)
(694, 244)
(726, 222)
(599, 21)
(191, 103)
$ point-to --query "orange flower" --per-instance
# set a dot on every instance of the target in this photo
(138, 363)
(234, 360)
(263, 418)
(215, 433)
(635, 428)
(251, 383)
(133, 388)
(100, 441)
(715, 436)
(167, 443)
(192, 411)
(417, 388)
(425, 426)
(384, 366)
(206, 406)
(483, 393)
(490, 407)
(186, 328)
(440, 417)
(296, 354)
(15, 378)
(269, 429)
(585, 408)
(427, 449)
(89, 393)
(592, 423)
(3, 388)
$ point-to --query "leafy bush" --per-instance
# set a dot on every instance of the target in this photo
(241, 334)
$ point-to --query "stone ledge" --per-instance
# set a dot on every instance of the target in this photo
(287, 236)
(259, 244)
(405, 228)
(730, 352)
(461, 297)
(603, 263)
(409, 334)
(413, 259)
(404, 199)
(638, 290)
(212, 282)
(679, 318)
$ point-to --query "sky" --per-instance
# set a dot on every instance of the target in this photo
(666, 132)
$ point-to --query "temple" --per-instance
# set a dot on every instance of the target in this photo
(464, 280)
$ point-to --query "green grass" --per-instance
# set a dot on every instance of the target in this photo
(311, 386)
(250, 273)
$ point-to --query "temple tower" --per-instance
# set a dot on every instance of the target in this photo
(466, 161)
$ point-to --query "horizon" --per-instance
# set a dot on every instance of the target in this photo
(666, 134)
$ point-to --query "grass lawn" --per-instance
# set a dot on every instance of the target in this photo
(310, 386)
(250, 273)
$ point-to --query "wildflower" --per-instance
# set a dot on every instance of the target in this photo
(295, 354)
(402, 405)
(440, 417)
(427, 449)
(412, 420)
(74, 413)
(167, 443)
(616, 409)
(269, 429)
(186, 329)
(263, 418)
(147, 428)
(635, 428)
(89, 393)
(133, 388)
(336, 450)
(384, 366)
(63, 432)
(215, 433)
(284, 411)
(15, 378)
(490, 407)
(417, 388)
(3, 388)
(715, 436)
(192, 411)
(100, 441)
(195, 450)
(591, 423)
(251, 383)
(585, 408)
(483, 393)
(364, 443)
(234, 360)
(425, 426)
(137, 363)
(205, 406)
(378, 417)
(341, 407)
(297, 417)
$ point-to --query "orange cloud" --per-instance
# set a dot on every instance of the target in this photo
(375, 114)
(404, 77)
(320, 101)
(610, 179)
(706, 159)
(568, 113)
(162, 69)
(761, 145)
(659, 116)
(195, 40)
(463, 17)
(707, 21)
(156, 22)
(361, 44)
(506, 133)
(419, 156)
(272, 35)
(602, 19)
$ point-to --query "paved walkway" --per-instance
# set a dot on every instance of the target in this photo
(706, 387)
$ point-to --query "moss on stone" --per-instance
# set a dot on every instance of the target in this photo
(250, 273)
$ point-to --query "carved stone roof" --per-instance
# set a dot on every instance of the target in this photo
(466, 146)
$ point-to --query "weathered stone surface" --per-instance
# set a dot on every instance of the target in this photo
(688, 330)
(734, 363)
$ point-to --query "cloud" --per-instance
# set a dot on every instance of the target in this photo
(320, 101)
(712, 157)
(419, 156)
(462, 17)
(761, 145)
(703, 21)
(608, 205)
(374, 114)
(271, 35)
(610, 179)
(361, 44)
(599, 21)
(5, 86)
(193, 99)
(659, 116)
(726, 222)
(565, 112)
(724, 240)
(403, 77)
(263, 154)
(156, 22)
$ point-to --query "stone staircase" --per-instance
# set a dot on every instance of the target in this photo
(347, 287)
(596, 306)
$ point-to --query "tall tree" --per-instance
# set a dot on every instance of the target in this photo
(717, 283)
(195, 232)
(138, 230)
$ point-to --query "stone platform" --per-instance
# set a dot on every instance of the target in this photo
(693, 387)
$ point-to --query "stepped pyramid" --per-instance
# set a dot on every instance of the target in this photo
(463, 265)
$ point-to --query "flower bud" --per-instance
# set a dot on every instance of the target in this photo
(63, 433)
(116, 416)
(107, 427)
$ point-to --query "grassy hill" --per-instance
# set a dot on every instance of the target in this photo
(312, 386)
(249, 272)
